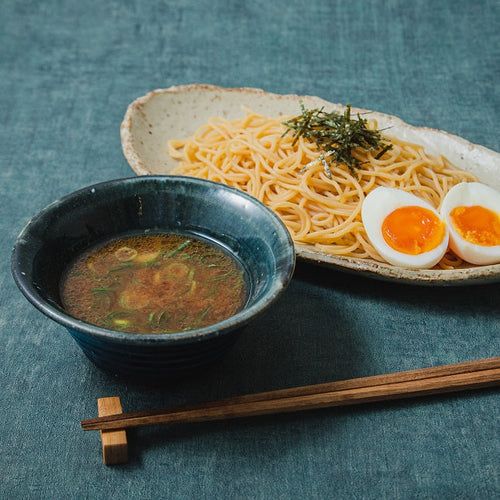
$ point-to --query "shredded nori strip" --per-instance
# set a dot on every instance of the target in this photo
(336, 135)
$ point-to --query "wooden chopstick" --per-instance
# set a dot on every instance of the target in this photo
(414, 383)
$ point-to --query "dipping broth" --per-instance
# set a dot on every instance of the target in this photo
(157, 283)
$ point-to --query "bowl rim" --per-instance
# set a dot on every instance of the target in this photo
(217, 329)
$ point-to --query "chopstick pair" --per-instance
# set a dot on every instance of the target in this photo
(408, 384)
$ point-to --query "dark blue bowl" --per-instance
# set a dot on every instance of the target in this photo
(239, 223)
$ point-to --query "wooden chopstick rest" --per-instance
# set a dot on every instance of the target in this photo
(114, 442)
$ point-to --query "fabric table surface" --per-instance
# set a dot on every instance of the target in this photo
(68, 71)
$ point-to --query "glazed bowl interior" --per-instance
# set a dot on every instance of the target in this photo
(238, 223)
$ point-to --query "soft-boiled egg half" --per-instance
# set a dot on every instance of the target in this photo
(404, 229)
(472, 212)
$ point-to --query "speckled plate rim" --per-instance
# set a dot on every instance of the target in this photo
(176, 112)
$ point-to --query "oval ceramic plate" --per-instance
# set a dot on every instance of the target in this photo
(175, 113)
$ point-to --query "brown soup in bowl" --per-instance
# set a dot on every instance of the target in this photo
(154, 283)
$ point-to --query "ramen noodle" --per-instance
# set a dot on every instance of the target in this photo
(321, 211)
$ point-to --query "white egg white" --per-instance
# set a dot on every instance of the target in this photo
(469, 194)
(378, 204)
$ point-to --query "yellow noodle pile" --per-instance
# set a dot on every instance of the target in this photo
(251, 154)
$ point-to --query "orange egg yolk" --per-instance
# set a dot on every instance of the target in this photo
(476, 224)
(413, 230)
